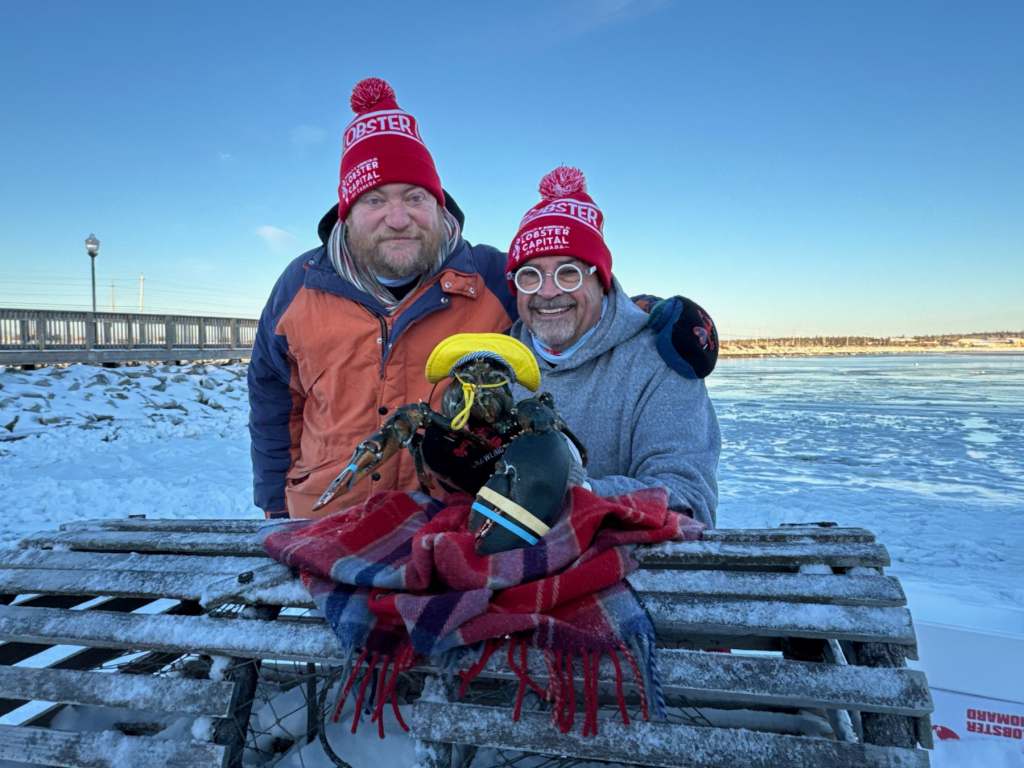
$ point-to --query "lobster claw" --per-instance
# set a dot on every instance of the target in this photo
(340, 483)
(397, 432)
(368, 455)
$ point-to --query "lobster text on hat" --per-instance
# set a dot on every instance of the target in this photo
(361, 178)
(574, 209)
(393, 122)
(545, 239)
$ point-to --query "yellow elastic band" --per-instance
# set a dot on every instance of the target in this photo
(519, 514)
(468, 395)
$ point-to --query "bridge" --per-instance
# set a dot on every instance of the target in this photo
(47, 337)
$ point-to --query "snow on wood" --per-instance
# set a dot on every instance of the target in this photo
(808, 533)
(682, 617)
(837, 589)
(245, 638)
(672, 745)
(793, 534)
(715, 553)
(127, 561)
(107, 749)
(244, 526)
(200, 697)
(769, 681)
(221, 544)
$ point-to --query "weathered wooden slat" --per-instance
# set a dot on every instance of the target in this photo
(247, 526)
(703, 554)
(797, 587)
(671, 745)
(191, 585)
(252, 525)
(186, 543)
(128, 561)
(680, 618)
(161, 694)
(686, 554)
(721, 677)
(791, 534)
(299, 641)
(761, 681)
(181, 586)
(107, 749)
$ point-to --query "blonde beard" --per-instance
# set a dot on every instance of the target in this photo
(368, 253)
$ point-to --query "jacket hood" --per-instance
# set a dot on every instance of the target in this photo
(329, 219)
(621, 321)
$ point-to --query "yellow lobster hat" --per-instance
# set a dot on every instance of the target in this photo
(457, 349)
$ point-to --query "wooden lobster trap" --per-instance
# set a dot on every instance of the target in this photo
(778, 647)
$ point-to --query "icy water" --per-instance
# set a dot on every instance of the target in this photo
(926, 451)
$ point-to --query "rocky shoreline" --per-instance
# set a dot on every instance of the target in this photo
(748, 349)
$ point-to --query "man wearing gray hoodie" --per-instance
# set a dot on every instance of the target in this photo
(643, 424)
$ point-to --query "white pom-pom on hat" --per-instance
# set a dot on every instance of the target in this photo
(369, 94)
(564, 181)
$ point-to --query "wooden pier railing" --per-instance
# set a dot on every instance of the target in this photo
(40, 337)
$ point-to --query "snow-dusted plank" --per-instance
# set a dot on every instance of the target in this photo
(761, 681)
(671, 745)
(681, 618)
(143, 541)
(160, 694)
(170, 524)
(689, 553)
(252, 525)
(107, 749)
(798, 587)
(246, 638)
(138, 583)
(130, 561)
(703, 554)
(790, 534)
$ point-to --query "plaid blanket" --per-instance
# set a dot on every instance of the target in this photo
(397, 579)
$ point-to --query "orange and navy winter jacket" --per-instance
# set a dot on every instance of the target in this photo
(329, 366)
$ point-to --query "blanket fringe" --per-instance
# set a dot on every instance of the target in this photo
(561, 688)
(375, 673)
(377, 677)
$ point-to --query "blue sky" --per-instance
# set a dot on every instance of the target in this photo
(797, 168)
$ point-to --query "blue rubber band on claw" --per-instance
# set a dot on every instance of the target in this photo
(490, 514)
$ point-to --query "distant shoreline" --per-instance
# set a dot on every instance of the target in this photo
(859, 351)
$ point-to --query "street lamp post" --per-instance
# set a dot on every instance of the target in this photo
(92, 247)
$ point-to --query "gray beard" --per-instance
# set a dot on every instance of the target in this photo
(554, 333)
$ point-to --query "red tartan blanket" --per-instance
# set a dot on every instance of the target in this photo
(397, 578)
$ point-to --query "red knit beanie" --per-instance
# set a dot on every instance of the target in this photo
(382, 145)
(565, 222)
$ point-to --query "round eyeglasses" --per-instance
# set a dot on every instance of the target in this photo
(567, 277)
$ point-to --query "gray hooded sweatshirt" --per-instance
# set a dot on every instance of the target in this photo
(642, 423)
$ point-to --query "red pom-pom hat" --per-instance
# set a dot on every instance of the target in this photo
(382, 145)
(565, 222)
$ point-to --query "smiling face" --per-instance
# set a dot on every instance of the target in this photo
(395, 230)
(558, 319)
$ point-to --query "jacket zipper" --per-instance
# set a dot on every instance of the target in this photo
(384, 341)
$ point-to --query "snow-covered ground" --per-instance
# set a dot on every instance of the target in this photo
(82, 442)
(928, 452)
